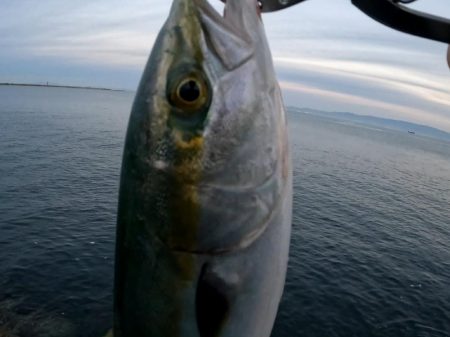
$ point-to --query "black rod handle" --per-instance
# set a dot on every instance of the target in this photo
(406, 20)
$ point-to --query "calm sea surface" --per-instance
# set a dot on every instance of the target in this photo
(370, 252)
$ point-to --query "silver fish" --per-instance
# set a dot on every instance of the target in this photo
(206, 187)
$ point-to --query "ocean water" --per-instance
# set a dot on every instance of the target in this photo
(370, 250)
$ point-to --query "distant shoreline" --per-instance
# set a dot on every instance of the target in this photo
(391, 124)
(57, 86)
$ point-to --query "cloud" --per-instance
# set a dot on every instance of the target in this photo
(93, 32)
(367, 87)
(430, 87)
(328, 49)
(113, 47)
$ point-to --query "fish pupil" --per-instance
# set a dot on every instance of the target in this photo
(189, 91)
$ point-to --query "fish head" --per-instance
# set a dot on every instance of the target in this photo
(206, 127)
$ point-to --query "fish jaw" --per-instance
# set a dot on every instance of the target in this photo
(205, 195)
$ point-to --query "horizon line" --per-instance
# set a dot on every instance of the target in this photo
(48, 85)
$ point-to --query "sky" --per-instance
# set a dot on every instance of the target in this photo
(328, 55)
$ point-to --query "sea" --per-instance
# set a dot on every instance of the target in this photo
(370, 249)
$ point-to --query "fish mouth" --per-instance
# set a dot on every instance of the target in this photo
(230, 36)
(239, 15)
(207, 6)
(230, 6)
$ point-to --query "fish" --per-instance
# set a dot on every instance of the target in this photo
(205, 199)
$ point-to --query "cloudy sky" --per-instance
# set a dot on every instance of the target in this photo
(328, 55)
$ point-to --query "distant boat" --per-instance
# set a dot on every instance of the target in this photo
(412, 132)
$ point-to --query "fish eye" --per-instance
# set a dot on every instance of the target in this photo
(189, 94)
